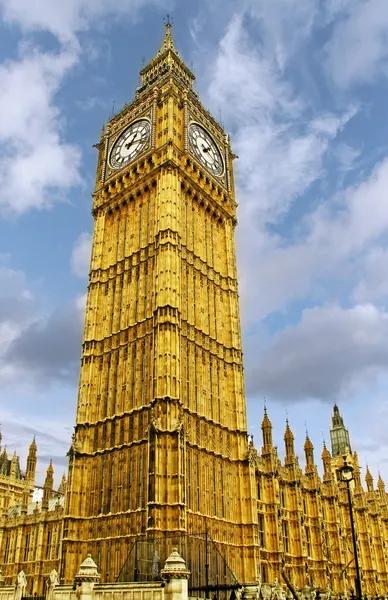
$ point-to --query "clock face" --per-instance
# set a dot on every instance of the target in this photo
(131, 142)
(205, 149)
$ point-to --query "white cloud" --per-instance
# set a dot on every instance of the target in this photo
(80, 256)
(373, 286)
(66, 19)
(330, 352)
(358, 50)
(36, 166)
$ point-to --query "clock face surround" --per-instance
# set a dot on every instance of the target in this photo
(132, 142)
(205, 149)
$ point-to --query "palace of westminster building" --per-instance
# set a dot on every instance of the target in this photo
(160, 449)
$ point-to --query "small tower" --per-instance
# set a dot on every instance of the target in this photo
(340, 440)
(62, 485)
(369, 480)
(356, 473)
(326, 460)
(48, 486)
(289, 444)
(31, 462)
(381, 485)
(266, 427)
(14, 469)
(309, 454)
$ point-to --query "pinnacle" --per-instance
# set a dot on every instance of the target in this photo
(288, 435)
(325, 451)
(266, 422)
(368, 475)
(308, 443)
(168, 41)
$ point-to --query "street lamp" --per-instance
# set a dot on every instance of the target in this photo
(346, 475)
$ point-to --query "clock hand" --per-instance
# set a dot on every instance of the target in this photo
(130, 143)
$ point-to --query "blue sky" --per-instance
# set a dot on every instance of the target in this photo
(301, 86)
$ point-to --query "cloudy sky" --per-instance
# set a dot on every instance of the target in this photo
(301, 86)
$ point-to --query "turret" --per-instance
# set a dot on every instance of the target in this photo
(356, 473)
(266, 427)
(369, 480)
(289, 444)
(48, 486)
(326, 460)
(62, 485)
(14, 468)
(309, 454)
(381, 485)
(31, 461)
(4, 461)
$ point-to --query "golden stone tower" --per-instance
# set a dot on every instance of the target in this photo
(160, 445)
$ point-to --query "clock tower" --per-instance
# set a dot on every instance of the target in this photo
(160, 447)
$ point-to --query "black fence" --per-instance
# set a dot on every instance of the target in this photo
(210, 575)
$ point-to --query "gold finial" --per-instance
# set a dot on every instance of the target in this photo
(168, 42)
(168, 21)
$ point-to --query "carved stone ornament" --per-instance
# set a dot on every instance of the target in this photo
(87, 571)
(175, 567)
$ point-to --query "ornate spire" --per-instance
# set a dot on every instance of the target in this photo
(168, 42)
(326, 460)
(309, 453)
(31, 461)
(266, 427)
(166, 63)
(62, 485)
(325, 452)
(369, 480)
(380, 484)
(33, 446)
(289, 443)
(48, 486)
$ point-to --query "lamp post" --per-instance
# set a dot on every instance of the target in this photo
(346, 474)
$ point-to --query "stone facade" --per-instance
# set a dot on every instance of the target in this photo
(304, 522)
(31, 528)
(161, 420)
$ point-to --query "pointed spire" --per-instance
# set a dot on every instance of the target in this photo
(380, 484)
(369, 480)
(266, 427)
(48, 486)
(357, 473)
(31, 461)
(326, 460)
(289, 443)
(309, 453)
(166, 62)
(325, 452)
(168, 42)
(62, 485)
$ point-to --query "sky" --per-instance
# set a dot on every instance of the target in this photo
(301, 87)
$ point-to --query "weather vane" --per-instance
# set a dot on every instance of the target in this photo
(168, 20)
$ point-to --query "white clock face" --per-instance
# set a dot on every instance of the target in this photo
(131, 142)
(205, 149)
